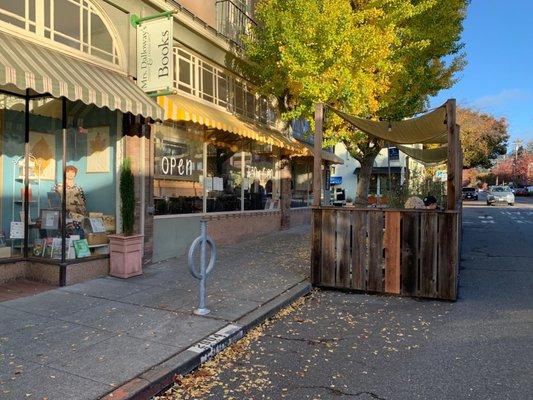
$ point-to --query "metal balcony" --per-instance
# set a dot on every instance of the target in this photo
(234, 19)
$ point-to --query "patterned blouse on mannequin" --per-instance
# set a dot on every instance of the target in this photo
(75, 202)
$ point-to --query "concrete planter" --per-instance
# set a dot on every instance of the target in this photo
(125, 253)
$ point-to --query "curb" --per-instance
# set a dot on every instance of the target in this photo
(161, 376)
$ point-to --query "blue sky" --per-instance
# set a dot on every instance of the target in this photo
(498, 38)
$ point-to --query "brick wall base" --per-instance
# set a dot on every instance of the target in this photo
(34, 270)
(300, 216)
(233, 227)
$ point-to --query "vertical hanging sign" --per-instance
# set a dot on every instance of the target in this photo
(155, 62)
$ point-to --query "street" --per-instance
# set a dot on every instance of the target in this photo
(334, 344)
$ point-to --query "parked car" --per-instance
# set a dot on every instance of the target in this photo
(470, 193)
(521, 191)
(500, 194)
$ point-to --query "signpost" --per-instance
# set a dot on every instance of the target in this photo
(394, 154)
(335, 180)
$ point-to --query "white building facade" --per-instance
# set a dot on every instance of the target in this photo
(349, 171)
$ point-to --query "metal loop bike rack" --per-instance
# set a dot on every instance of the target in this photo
(202, 271)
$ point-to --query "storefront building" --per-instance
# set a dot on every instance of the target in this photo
(220, 155)
(72, 108)
(64, 97)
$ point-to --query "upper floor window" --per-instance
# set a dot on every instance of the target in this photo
(205, 80)
(77, 24)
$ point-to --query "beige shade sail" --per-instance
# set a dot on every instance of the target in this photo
(428, 128)
(429, 156)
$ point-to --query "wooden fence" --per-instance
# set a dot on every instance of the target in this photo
(405, 252)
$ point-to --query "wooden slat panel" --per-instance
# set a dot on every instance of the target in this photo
(392, 252)
(409, 253)
(448, 256)
(359, 249)
(428, 254)
(343, 249)
(316, 247)
(328, 248)
(375, 261)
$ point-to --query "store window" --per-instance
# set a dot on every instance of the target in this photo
(89, 160)
(224, 176)
(178, 168)
(301, 185)
(76, 24)
(261, 184)
(12, 168)
(37, 177)
(373, 185)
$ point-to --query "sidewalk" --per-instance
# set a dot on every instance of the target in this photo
(85, 340)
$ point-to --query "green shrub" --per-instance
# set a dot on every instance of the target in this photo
(127, 197)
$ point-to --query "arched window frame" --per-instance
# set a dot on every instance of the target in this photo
(34, 30)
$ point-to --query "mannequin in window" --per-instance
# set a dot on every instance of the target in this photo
(75, 202)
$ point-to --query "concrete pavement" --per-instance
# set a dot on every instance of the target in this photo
(85, 340)
(345, 345)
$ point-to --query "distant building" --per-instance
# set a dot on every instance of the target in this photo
(379, 181)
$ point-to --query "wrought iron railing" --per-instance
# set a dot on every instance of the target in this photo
(234, 20)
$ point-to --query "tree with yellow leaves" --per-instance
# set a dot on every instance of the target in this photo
(379, 59)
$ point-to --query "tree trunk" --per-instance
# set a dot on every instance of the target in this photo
(363, 182)
(285, 206)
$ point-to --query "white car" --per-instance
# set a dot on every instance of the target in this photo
(500, 194)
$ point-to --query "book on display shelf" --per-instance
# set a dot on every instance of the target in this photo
(38, 247)
(56, 248)
(71, 254)
(47, 247)
(81, 248)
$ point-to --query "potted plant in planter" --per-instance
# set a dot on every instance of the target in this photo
(126, 249)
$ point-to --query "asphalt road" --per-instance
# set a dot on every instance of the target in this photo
(339, 345)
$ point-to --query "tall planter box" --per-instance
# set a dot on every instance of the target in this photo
(125, 253)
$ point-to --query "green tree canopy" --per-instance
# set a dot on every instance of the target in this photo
(379, 59)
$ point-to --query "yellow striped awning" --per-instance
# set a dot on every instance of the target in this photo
(26, 65)
(181, 108)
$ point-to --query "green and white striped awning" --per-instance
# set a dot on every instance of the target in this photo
(26, 65)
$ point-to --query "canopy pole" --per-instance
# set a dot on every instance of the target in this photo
(458, 169)
(317, 160)
(388, 167)
(453, 153)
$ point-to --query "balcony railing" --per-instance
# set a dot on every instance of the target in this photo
(234, 20)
